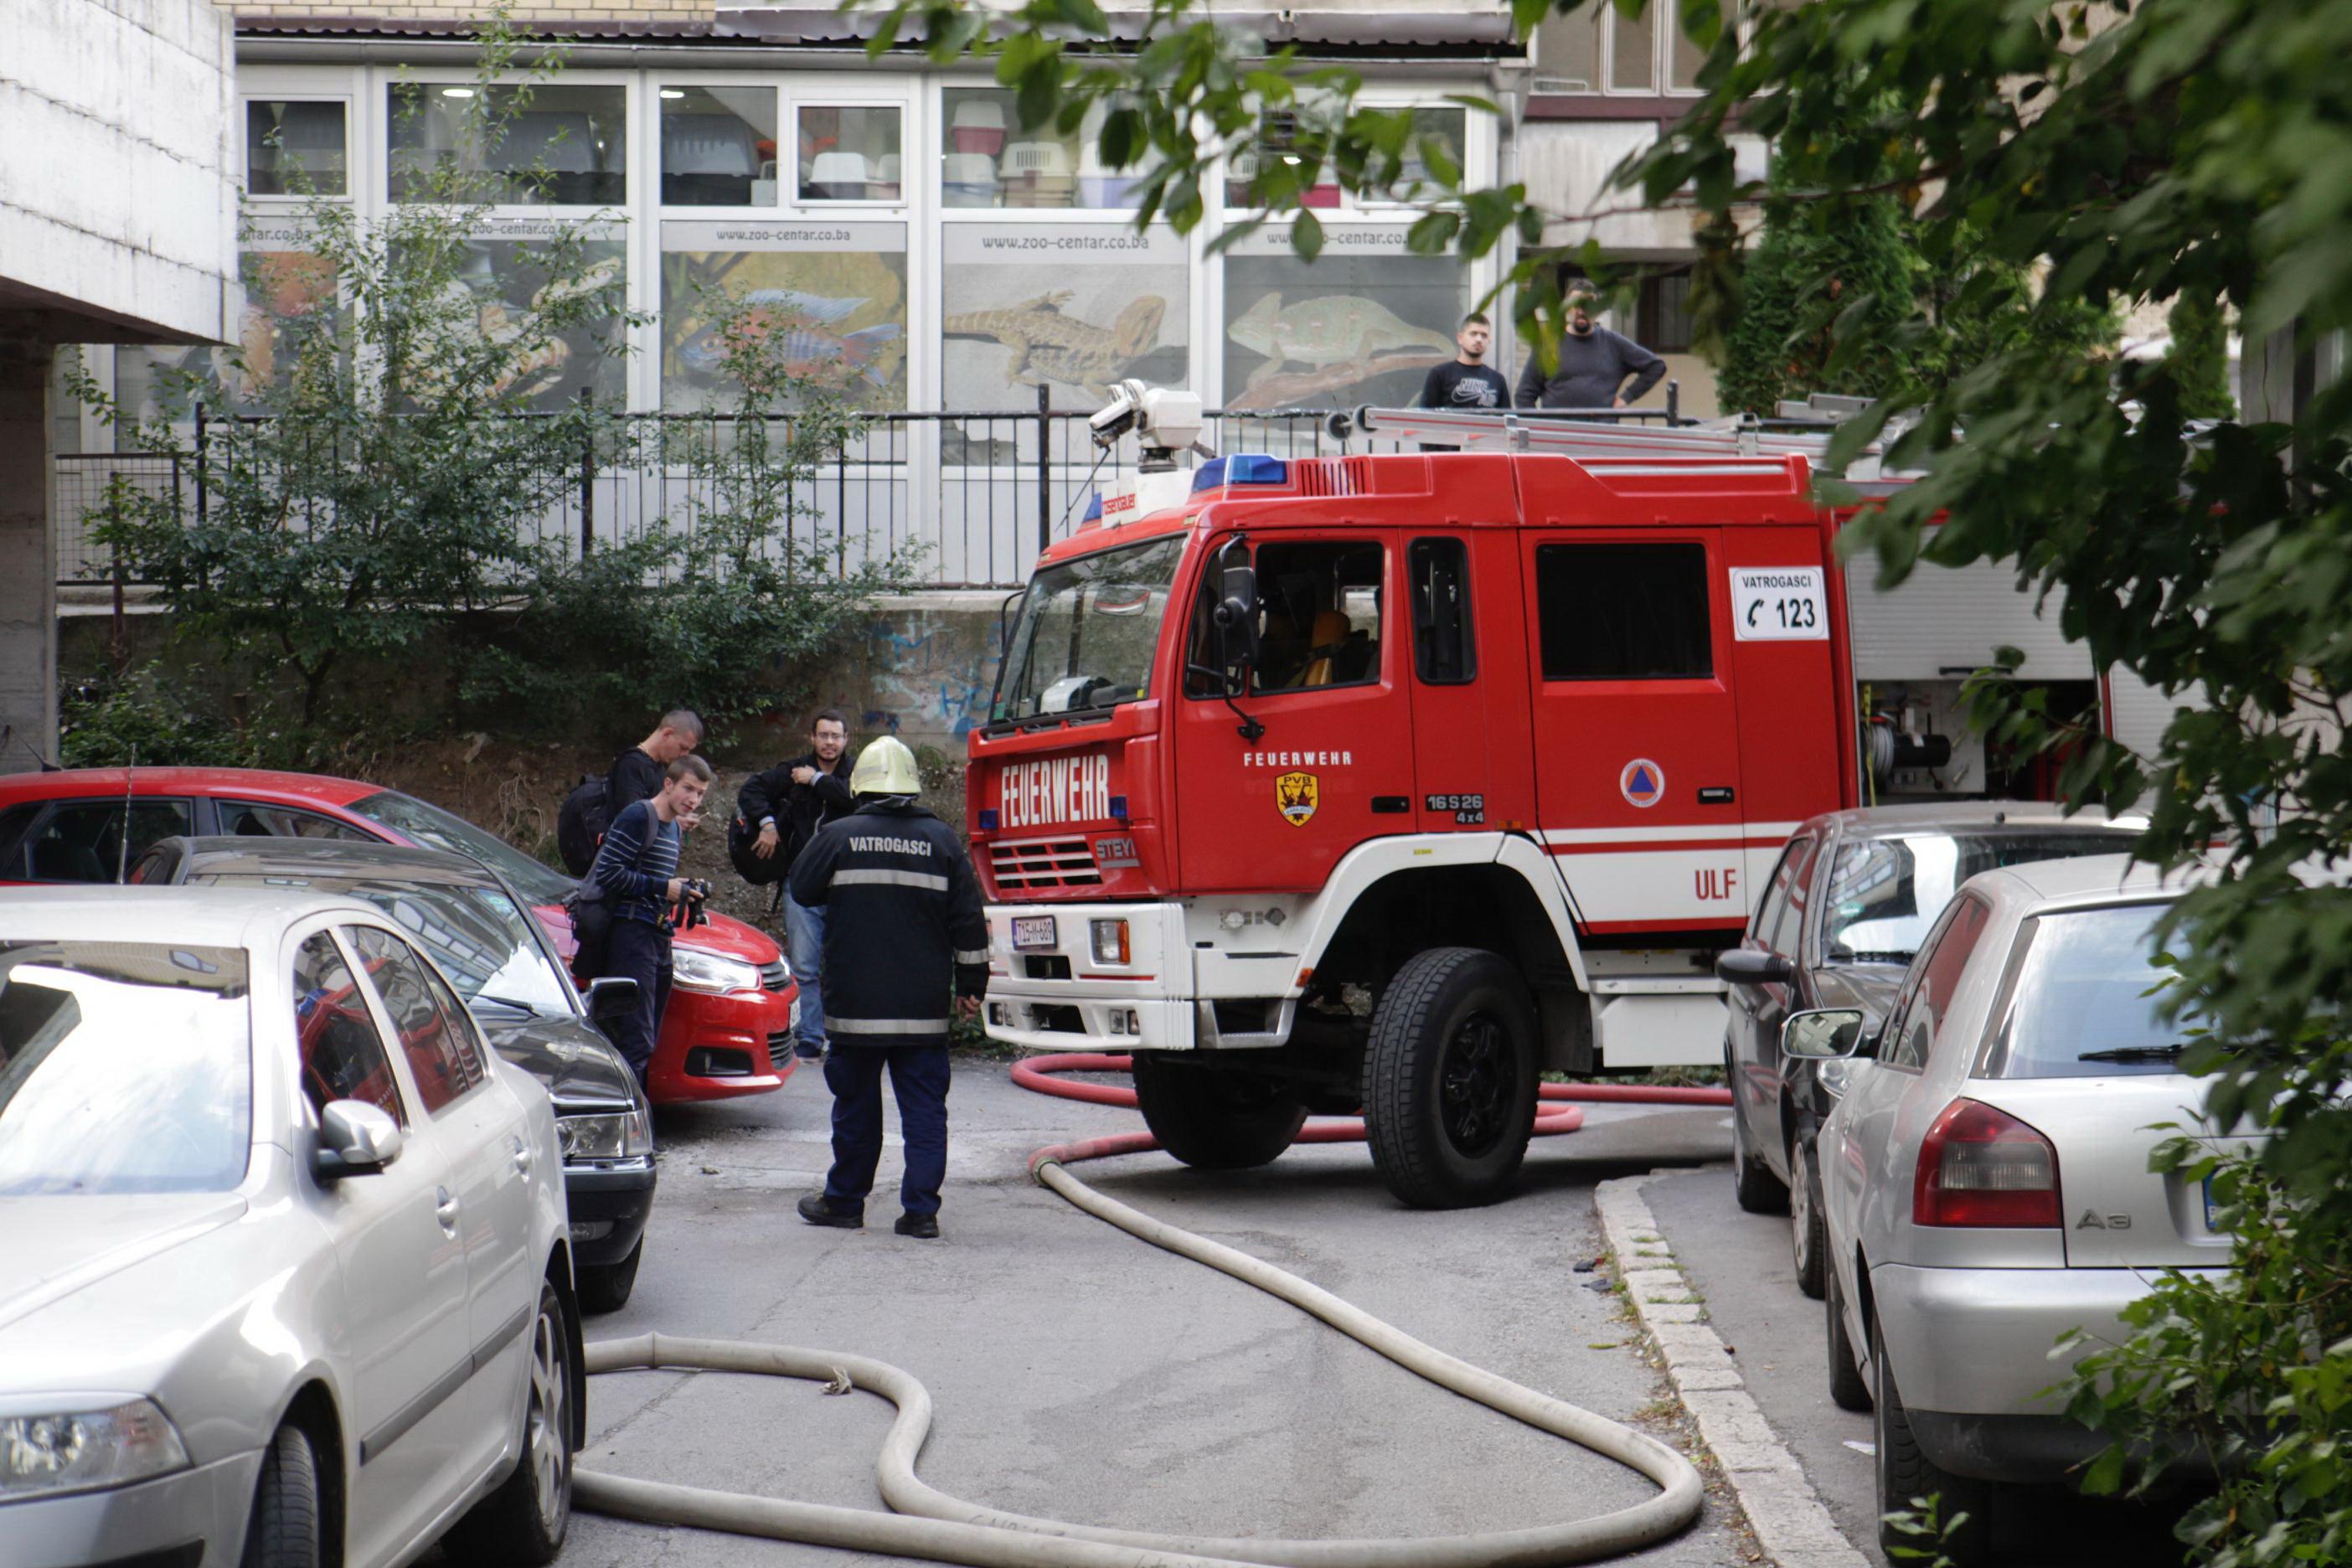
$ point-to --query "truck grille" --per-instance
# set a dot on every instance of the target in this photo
(1044, 863)
(775, 976)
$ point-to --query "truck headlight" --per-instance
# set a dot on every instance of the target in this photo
(692, 968)
(1109, 940)
(86, 1450)
(603, 1136)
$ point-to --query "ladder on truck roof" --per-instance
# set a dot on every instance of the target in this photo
(1598, 436)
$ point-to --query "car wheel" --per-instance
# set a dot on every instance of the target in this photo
(1906, 1476)
(1757, 1188)
(606, 1286)
(525, 1519)
(1220, 1118)
(1808, 1231)
(283, 1531)
(1450, 1078)
(1848, 1391)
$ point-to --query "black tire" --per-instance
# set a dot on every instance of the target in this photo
(1216, 1117)
(606, 1286)
(1808, 1238)
(1906, 1475)
(524, 1520)
(1450, 1078)
(1848, 1389)
(284, 1529)
(1752, 1182)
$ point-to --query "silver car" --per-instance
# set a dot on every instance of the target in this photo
(1986, 1177)
(288, 1277)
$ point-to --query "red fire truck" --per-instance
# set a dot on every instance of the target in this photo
(1387, 783)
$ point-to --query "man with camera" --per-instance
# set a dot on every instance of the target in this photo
(636, 872)
(785, 806)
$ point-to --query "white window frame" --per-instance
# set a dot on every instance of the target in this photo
(304, 84)
(795, 101)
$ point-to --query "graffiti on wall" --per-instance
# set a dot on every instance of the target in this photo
(931, 675)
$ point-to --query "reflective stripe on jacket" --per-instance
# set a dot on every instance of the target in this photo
(904, 934)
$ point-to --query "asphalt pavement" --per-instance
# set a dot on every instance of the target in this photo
(1741, 1267)
(1081, 1374)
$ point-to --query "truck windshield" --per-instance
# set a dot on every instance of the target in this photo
(1086, 632)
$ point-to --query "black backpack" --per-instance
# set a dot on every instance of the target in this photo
(580, 825)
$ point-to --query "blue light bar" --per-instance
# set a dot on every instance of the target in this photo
(1094, 509)
(1118, 807)
(1241, 469)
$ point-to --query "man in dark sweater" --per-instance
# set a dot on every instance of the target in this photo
(638, 773)
(1593, 364)
(906, 949)
(637, 871)
(788, 803)
(1468, 382)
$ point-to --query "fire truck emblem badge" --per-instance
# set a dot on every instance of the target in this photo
(1298, 796)
(1643, 782)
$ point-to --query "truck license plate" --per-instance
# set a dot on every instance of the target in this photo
(1033, 930)
(2209, 1206)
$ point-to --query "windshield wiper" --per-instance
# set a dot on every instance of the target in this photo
(519, 1006)
(2133, 1054)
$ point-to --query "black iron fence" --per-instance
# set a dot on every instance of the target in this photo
(980, 492)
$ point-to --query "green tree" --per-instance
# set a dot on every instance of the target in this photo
(2200, 357)
(390, 470)
(1823, 301)
(2122, 152)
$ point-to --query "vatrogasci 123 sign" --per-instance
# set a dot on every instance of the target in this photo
(1778, 603)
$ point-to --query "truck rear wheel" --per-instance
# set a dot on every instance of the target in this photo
(1450, 1079)
(1216, 1117)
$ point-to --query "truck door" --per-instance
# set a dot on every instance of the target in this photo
(1472, 773)
(1334, 766)
(1636, 732)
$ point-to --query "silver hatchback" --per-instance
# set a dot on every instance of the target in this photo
(286, 1276)
(1986, 1177)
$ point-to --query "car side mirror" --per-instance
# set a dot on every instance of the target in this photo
(611, 996)
(1822, 1034)
(355, 1139)
(1236, 620)
(1752, 967)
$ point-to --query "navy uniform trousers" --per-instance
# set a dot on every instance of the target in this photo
(918, 1077)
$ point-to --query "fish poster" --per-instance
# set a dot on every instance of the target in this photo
(1362, 323)
(505, 268)
(836, 291)
(1073, 307)
(289, 293)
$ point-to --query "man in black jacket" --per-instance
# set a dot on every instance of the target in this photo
(904, 933)
(787, 804)
(638, 773)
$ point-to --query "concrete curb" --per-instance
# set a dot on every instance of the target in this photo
(1792, 1527)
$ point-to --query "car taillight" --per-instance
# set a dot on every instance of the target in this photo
(1978, 1166)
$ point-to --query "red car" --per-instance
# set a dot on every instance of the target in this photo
(728, 1028)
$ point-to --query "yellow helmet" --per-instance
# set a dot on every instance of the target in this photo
(885, 767)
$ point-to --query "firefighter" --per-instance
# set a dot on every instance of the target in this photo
(903, 934)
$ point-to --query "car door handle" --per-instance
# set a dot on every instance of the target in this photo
(521, 1158)
(444, 1209)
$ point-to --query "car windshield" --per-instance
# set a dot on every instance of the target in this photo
(437, 829)
(1086, 632)
(125, 1067)
(481, 940)
(2089, 986)
(1885, 893)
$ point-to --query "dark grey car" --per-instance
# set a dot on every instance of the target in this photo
(483, 936)
(1852, 896)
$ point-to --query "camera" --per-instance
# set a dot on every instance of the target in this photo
(693, 893)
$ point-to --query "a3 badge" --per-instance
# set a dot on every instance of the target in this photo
(1297, 795)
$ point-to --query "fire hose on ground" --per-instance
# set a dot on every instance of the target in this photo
(927, 1523)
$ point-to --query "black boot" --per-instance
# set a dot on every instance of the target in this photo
(817, 1210)
(922, 1227)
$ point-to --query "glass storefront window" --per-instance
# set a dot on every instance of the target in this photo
(506, 270)
(1073, 307)
(838, 290)
(289, 294)
(294, 148)
(719, 146)
(1441, 132)
(563, 145)
(849, 152)
(1362, 323)
(990, 161)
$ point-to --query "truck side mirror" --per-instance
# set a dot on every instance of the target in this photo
(1236, 620)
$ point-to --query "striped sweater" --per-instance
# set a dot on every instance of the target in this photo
(635, 864)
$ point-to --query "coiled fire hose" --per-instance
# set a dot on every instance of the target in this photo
(930, 1524)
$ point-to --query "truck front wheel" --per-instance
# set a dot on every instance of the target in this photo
(1450, 1079)
(1216, 1118)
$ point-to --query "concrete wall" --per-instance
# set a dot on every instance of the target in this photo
(927, 668)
